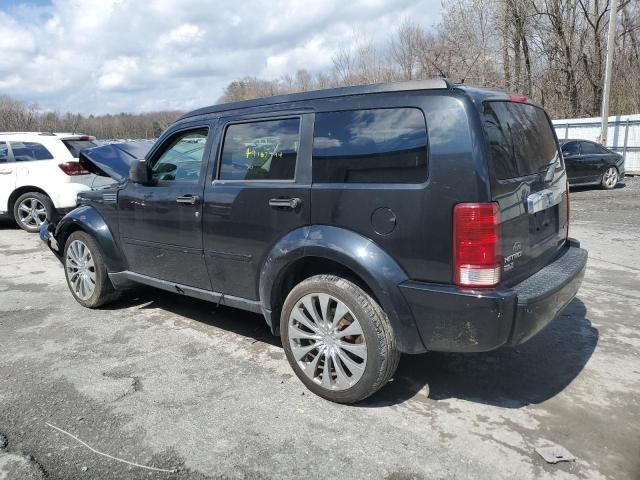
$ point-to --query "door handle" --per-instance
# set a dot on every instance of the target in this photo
(188, 199)
(285, 203)
(5, 172)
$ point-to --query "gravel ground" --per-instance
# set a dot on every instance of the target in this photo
(174, 384)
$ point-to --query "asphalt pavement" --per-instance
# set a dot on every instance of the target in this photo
(196, 392)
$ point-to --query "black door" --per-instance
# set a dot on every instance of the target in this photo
(161, 224)
(594, 160)
(572, 161)
(259, 194)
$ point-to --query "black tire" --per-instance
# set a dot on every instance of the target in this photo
(610, 178)
(103, 292)
(382, 354)
(26, 220)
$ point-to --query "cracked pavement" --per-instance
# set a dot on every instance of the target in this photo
(173, 383)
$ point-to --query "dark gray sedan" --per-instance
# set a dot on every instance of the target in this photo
(589, 163)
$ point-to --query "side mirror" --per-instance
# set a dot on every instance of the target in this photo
(139, 173)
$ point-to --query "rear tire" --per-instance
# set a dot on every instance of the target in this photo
(610, 178)
(337, 339)
(86, 272)
(31, 209)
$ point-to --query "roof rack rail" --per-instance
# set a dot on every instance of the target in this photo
(412, 85)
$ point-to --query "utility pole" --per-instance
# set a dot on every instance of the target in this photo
(613, 13)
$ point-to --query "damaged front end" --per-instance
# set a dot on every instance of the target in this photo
(111, 161)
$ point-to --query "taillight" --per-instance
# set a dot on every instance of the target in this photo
(568, 208)
(73, 169)
(476, 244)
(514, 97)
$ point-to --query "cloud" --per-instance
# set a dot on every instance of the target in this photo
(106, 56)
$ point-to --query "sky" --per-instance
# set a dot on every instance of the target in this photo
(109, 56)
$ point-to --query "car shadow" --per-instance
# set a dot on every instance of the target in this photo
(508, 377)
(247, 324)
(586, 188)
(8, 224)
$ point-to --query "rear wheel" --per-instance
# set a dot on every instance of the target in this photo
(31, 210)
(337, 339)
(86, 272)
(609, 178)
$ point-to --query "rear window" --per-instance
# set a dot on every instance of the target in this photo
(520, 138)
(74, 146)
(370, 146)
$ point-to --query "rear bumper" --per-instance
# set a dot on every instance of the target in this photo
(457, 320)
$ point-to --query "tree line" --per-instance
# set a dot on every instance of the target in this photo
(17, 116)
(553, 51)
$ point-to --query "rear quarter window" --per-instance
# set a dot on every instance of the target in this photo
(370, 146)
(29, 152)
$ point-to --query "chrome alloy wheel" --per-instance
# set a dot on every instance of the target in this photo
(32, 213)
(81, 269)
(611, 177)
(327, 341)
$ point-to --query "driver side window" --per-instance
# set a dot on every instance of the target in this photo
(181, 161)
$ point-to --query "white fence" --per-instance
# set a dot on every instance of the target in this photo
(623, 135)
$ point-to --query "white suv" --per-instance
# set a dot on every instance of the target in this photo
(40, 175)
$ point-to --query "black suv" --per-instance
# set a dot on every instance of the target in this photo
(362, 222)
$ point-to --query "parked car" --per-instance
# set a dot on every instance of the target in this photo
(589, 163)
(362, 222)
(40, 175)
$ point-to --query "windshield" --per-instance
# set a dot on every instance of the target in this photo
(520, 138)
(74, 146)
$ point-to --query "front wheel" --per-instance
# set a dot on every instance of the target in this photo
(337, 339)
(86, 272)
(609, 178)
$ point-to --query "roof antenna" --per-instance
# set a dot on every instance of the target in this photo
(470, 67)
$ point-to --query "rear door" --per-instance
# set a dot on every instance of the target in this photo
(7, 176)
(260, 192)
(528, 182)
(594, 160)
(35, 164)
(572, 161)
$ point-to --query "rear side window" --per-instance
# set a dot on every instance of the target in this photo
(4, 152)
(74, 146)
(265, 150)
(370, 146)
(520, 138)
(589, 148)
(29, 151)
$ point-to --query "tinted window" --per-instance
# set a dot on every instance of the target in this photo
(74, 146)
(261, 150)
(29, 151)
(182, 159)
(520, 139)
(571, 148)
(590, 148)
(4, 152)
(370, 146)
